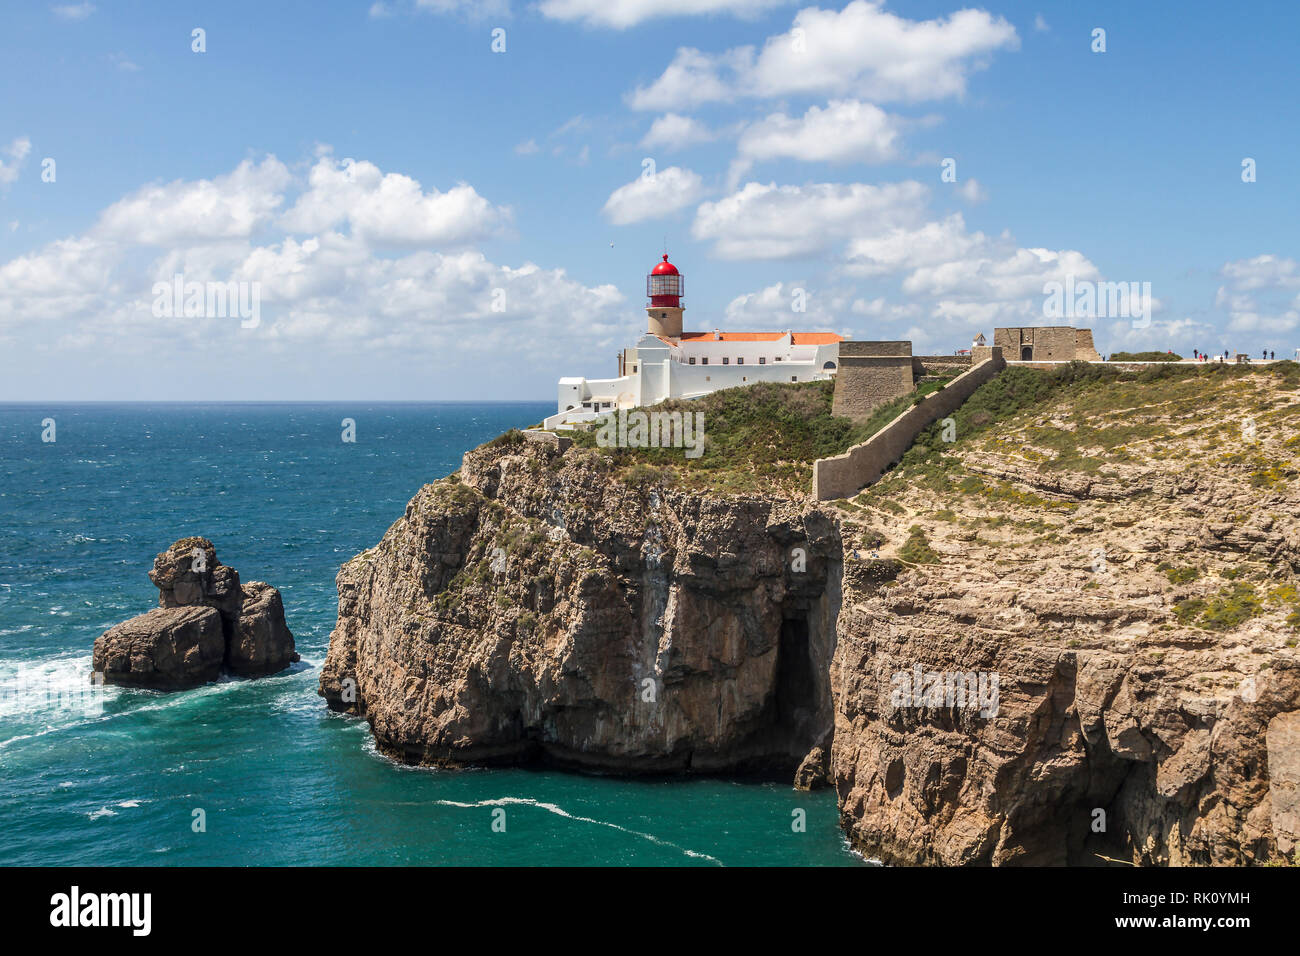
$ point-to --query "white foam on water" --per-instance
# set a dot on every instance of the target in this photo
(47, 686)
(101, 812)
(561, 812)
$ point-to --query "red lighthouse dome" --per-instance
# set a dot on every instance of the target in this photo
(664, 285)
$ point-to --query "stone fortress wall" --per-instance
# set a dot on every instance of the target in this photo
(1049, 343)
(871, 374)
(845, 475)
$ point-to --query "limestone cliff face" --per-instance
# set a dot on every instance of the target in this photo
(532, 608)
(1140, 618)
(1128, 571)
(1149, 747)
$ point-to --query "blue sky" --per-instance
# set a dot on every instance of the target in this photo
(494, 230)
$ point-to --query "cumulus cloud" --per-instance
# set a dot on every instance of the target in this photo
(1260, 294)
(390, 208)
(767, 221)
(861, 51)
(15, 152)
(785, 305)
(326, 294)
(846, 131)
(233, 206)
(903, 249)
(652, 197)
(673, 132)
(973, 191)
(621, 14)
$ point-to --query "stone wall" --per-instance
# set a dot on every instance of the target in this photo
(1046, 343)
(847, 474)
(871, 374)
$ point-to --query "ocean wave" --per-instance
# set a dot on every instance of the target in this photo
(561, 812)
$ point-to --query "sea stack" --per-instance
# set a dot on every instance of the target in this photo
(206, 623)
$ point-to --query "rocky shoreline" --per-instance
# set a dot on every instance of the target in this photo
(538, 607)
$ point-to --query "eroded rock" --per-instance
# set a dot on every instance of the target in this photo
(206, 622)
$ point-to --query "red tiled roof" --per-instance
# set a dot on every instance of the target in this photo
(796, 338)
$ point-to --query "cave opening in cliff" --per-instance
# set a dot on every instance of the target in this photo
(796, 687)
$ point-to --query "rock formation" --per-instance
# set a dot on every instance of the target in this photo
(206, 622)
(1140, 617)
(531, 609)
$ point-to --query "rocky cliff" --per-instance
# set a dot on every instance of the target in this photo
(1067, 636)
(1122, 556)
(533, 608)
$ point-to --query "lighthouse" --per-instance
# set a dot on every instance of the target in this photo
(664, 286)
(668, 363)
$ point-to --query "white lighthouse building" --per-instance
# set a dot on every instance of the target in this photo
(669, 363)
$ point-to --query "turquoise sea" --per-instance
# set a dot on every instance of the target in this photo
(117, 778)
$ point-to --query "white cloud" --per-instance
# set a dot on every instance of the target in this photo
(1259, 295)
(621, 14)
(124, 63)
(972, 191)
(390, 209)
(527, 147)
(1263, 272)
(904, 249)
(1022, 273)
(325, 297)
(861, 51)
(776, 222)
(233, 206)
(17, 152)
(73, 11)
(846, 131)
(672, 132)
(773, 308)
(1040, 24)
(652, 197)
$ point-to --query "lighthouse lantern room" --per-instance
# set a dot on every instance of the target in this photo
(665, 285)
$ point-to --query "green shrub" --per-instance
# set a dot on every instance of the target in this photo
(1145, 357)
(917, 550)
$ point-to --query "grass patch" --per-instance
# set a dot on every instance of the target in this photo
(916, 549)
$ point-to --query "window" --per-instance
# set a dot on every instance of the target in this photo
(708, 378)
(692, 359)
(726, 361)
(741, 360)
(744, 378)
(778, 358)
(794, 378)
(762, 360)
(705, 360)
(634, 368)
(828, 365)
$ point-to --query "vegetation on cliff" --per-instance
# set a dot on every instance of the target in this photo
(762, 438)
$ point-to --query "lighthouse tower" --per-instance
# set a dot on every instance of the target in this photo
(664, 285)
